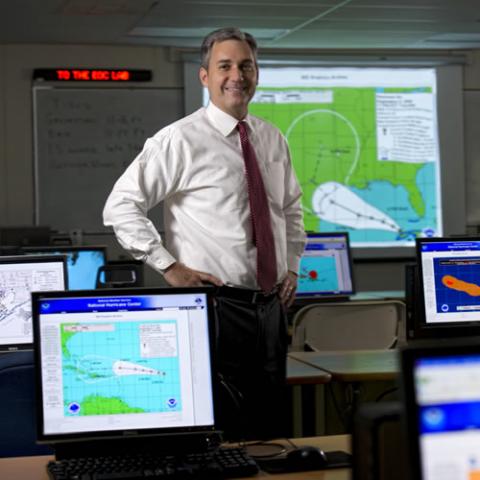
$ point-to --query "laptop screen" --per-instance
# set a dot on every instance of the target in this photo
(83, 263)
(444, 406)
(449, 273)
(124, 360)
(326, 266)
(19, 276)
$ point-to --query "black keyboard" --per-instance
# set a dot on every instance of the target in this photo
(218, 464)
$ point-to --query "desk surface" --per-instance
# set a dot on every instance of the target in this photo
(33, 468)
(301, 373)
(380, 295)
(353, 365)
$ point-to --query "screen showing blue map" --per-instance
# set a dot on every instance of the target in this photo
(82, 264)
(119, 362)
(325, 267)
(111, 368)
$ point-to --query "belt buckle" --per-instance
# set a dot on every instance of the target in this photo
(255, 294)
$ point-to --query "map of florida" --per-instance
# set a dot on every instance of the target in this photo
(456, 284)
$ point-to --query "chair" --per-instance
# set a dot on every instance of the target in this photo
(120, 274)
(365, 325)
(362, 325)
(17, 406)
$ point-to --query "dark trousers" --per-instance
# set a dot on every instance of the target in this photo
(251, 360)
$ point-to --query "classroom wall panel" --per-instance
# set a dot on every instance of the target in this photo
(472, 155)
(471, 78)
(19, 62)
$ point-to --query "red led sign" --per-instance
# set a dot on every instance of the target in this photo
(91, 75)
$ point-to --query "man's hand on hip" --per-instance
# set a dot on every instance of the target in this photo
(179, 275)
(288, 289)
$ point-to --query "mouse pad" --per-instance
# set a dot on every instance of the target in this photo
(335, 459)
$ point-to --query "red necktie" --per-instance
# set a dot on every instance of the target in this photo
(260, 214)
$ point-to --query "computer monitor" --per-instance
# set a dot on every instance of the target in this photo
(449, 287)
(326, 267)
(83, 262)
(19, 276)
(123, 363)
(442, 410)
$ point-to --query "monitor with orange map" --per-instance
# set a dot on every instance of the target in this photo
(449, 275)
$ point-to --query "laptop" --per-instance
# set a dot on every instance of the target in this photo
(125, 372)
(442, 401)
(326, 267)
(19, 276)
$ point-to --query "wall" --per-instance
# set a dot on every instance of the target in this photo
(16, 143)
(16, 93)
(3, 164)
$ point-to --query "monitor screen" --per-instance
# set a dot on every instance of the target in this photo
(82, 263)
(443, 411)
(112, 361)
(19, 276)
(326, 266)
(449, 276)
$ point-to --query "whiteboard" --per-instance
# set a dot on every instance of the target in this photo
(84, 139)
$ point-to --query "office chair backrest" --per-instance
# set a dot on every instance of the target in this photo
(352, 325)
(17, 406)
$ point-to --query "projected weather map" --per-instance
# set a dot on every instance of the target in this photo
(136, 372)
(364, 146)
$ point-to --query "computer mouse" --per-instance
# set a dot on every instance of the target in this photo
(306, 457)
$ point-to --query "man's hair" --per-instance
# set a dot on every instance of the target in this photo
(229, 33)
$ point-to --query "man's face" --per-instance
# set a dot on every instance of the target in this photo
(231, 77)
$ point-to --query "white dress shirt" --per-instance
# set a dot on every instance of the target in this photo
(195, 166)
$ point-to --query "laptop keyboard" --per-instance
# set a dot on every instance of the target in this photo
(218, 464)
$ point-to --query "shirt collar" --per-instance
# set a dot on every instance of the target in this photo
(224, 122)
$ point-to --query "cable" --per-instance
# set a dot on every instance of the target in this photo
(385, 393)
(255, 449)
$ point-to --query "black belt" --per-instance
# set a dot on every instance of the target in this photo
(246, 295)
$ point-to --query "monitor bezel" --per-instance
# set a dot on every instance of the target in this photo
(330, 295)
(66, 249)
(420, 327)
(408, 356)
(131, 434)
(16, 259)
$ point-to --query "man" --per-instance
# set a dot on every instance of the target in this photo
(224, 224)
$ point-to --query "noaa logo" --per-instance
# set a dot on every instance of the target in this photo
(172, 402)
(45, 306)
(434, 418)
(74, 408)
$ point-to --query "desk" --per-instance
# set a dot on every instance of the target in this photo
(353, 365)
(33, 468)
(300, 373)
(379, 295)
